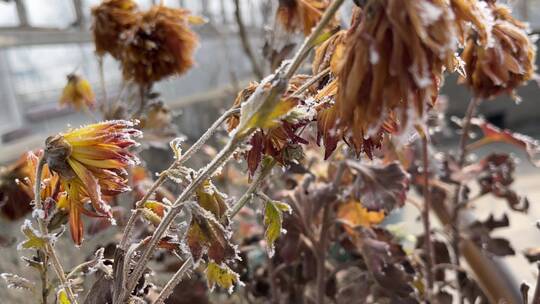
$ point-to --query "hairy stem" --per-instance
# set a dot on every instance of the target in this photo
(245, 41)
(426, 220)
(261, 174)
(175, 280)
(44, 276)
(49, 249)
(456, 204)
(126, 236)
(323, 238)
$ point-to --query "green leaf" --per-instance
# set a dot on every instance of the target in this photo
(222, 276)
(34, 239)
(62, 297)
(273, 222)
(264, 107)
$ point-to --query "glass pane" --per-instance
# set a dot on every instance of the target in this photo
(39, 73)
(8, 14)
(50, 13)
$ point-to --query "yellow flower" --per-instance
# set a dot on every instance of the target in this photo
(91, 162)
(77, 93)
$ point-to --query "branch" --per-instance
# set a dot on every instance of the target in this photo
(49, 249)
(323, 238)
(261, 174)
(425, 218)
(456, 206)
(175, 280)
(245, 41)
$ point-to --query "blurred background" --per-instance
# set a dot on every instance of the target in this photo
(41, 41)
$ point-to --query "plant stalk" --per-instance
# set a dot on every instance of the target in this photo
(426, 220)
(471, 109)
(175, 280)
(49, 249)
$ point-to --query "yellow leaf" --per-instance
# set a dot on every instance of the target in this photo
(273, 221)
(222, 276)
(62, 297)
(264, 108)
(33, 237)
(353, 214)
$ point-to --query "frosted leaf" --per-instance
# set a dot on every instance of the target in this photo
(176, 146)
(16, 282)
(273, 221)
(223, 276)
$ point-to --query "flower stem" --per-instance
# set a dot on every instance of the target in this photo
(426, 220)
(456, 206)
(49, 249)
(262, 173)
(175, 280)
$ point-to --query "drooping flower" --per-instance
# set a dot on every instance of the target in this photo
(161, 44)
(301, 15)
(395, 53)
(112, 18)
(91, 162)
(77, 93)
(502, 64)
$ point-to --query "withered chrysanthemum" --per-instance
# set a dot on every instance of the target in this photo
(77, 93)
(91, 162)
(160, 45)
(301, 15)
(112, 18)
(395, 53)
(502, 64)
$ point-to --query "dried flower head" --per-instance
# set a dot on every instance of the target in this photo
(301, 15)
(112, 18)
(91, 162)
(395, 53)
(499, 66)
(473, 13)
(77, 93)
(160, 45)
